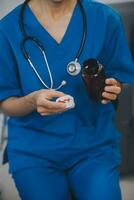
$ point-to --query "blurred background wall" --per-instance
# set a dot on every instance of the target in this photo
(6, 5)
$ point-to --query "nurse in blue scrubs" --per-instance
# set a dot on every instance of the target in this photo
(55, 153)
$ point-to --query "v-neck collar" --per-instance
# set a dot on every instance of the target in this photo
(37, 26)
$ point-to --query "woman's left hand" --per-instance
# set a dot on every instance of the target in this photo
(111, 91)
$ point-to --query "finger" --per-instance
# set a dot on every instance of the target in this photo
(113, 89)
(41, 109)
(109, 96)
(47, 104)
(44, 110)
(51, 112)
(46, 114)
(105, 101)
(53, 93)
(111, 81)
(54, 105)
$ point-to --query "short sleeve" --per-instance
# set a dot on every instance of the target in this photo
(117, 56)
(9, 80)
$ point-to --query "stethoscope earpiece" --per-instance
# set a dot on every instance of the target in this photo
(61, 85)
(63, 82)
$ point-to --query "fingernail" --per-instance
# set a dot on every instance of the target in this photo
(104, 102)
(103, 94)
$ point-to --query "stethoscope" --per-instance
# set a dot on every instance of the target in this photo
(73, 68)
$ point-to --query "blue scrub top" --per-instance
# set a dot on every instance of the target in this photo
(33, 137)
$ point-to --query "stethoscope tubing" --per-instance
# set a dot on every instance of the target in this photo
(41, 47)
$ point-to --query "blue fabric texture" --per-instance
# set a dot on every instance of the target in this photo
(33, 138)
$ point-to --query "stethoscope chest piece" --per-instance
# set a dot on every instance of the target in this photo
(74, 68)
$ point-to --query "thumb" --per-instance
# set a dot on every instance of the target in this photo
(53, 93)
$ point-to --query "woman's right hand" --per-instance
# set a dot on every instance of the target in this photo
(43, 104)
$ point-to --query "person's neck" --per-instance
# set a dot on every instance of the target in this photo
(54, 8)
